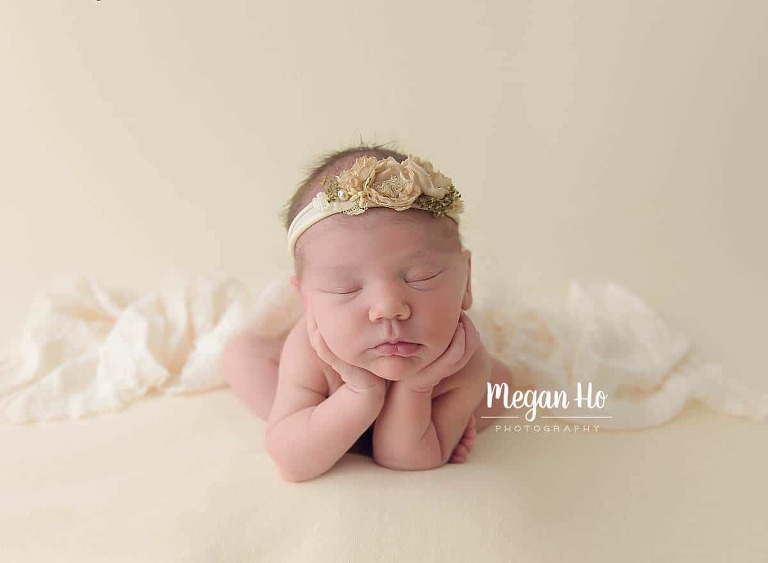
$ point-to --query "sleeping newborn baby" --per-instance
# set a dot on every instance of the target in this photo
(384, 361)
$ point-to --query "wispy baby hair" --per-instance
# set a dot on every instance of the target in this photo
(329, 165)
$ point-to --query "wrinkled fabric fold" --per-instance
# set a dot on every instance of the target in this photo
(87, 349)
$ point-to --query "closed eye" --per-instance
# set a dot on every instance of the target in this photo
(345, 292)
(427, 278)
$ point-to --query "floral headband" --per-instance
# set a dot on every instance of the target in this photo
(411, 184)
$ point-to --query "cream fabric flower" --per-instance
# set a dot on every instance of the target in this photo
(352, 180)
(421, 176)
(392, 185)
(432, 182)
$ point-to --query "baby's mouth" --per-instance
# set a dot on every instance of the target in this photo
(399, 348)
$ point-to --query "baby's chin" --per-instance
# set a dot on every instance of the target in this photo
(395, 368)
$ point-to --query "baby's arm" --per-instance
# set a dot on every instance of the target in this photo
(415, 431)
(308, 433)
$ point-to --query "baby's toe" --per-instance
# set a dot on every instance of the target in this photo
(459, 454)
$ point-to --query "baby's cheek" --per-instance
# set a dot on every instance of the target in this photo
(341, 342)
(446, 322)
(334, 341)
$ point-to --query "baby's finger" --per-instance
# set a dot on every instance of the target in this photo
(459, 454)
(321, 348)
(472, 337)
(457, 346)
(447, 362)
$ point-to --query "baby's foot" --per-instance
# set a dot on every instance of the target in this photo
(461, 451)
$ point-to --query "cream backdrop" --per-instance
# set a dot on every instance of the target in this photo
(600, 141)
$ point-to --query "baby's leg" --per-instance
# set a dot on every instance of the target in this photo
(249, 364)
(460, 453)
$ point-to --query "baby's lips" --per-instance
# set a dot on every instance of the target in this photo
(403, 348)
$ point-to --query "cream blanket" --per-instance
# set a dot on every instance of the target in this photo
(87, 349)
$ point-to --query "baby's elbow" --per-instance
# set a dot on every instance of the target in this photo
(287, 471)
(295, 474)
(290, 468)
(291, 475)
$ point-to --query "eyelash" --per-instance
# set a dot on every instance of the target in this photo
(413, 281)
(427, 278)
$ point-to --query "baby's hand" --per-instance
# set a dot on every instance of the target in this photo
(356, 378)
(459, 351)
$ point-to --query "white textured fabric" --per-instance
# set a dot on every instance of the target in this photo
(87, 349)
(604, 335)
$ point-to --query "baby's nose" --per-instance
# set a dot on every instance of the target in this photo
(389, 303)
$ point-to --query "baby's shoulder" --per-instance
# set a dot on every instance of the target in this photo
(297, 349)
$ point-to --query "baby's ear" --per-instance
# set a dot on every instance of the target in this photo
(466, 301)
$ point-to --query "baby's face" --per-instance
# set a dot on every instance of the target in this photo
(379, 277)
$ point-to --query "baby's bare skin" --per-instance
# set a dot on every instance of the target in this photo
(250, 365)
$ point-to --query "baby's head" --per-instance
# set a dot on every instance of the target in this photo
(381, 274)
